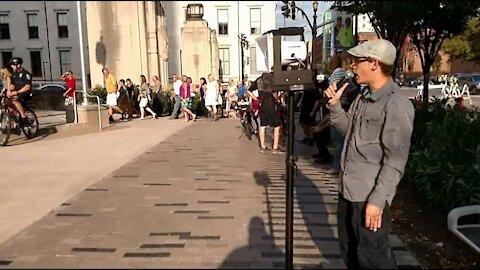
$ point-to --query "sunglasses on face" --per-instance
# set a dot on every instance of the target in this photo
(357, 61)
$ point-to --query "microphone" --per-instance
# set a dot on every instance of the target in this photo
(348, 78)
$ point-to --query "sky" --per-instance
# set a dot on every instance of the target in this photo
(299, 20)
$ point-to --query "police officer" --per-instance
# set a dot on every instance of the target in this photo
(22, 82)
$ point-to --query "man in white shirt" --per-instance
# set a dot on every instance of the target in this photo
(177, 83)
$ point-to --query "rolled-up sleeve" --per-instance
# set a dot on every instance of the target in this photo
(395, 142)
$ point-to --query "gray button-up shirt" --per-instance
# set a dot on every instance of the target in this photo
(377, 129)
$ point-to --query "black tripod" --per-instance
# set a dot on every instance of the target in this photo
(291, 166)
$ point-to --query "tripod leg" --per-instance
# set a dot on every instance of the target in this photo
(290, 164)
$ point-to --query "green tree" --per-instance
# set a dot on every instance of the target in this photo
(428, 23)
(412, 53)
(466, 45)
(428, 29)
(385, 19)
(437, 63)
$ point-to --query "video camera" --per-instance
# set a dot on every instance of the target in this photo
(284, 66)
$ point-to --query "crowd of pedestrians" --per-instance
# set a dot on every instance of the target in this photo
(143, 99)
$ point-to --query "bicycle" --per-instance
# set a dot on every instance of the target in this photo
(10, 120)
(246, 116)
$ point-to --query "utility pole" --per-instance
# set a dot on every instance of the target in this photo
(82, 56)
(48, 40)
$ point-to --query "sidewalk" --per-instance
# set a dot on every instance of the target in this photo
(40, 174)
(202, 198)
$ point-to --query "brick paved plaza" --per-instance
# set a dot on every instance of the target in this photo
(201, 198)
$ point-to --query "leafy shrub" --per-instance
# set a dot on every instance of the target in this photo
(167, 87)
(167, 105)
(198, 107)
(444, 162)
(100, 91)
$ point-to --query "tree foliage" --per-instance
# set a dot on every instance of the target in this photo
(428, 23)
(437, 63)
(466, 45)
(384, 16)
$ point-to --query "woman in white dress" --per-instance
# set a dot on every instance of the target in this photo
(230, 96)
(211, 96)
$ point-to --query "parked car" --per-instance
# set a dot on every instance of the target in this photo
(414, 81)
(49, 97)
(472, 80)
(400, 80)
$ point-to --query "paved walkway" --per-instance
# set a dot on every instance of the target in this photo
(37, 175)
(200, 199)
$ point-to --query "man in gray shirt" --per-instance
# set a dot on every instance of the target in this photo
(377, 128)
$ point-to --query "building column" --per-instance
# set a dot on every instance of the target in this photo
(162, 41)
(152, 40)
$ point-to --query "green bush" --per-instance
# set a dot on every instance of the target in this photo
(444, 162)
(198, 107)
(100, 91)
(167, 105)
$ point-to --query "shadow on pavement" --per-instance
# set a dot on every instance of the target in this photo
(42, 133)
(261, 251)
(313, 223)
(318, 210)
(260, 243)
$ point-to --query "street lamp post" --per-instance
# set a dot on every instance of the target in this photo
(314, 31)
(243, 47)
(313, 27)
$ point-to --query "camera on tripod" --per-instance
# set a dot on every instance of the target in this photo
(285, 67)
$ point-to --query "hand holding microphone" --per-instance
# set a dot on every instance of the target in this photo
(336, 89)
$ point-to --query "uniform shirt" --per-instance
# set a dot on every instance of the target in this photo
(20, 79)
(377, 129)
(111, 84)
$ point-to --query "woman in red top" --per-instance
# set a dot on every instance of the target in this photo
(70, 81)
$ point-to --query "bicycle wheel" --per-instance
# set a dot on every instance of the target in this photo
(247, 129)
(5, 122)
(31, 128)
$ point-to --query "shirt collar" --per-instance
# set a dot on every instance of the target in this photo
(370, 96)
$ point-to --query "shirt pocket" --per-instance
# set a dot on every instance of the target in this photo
(370, 128)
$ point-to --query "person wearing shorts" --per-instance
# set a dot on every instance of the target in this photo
(268, 117)
(112, 93)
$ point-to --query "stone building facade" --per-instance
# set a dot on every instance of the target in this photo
(45, 34)
(229, 19)
(129, 38)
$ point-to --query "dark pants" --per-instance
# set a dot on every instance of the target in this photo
(360, 247)
(157, 103)
(321, 140)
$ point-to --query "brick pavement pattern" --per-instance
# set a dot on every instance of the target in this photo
(200, 199)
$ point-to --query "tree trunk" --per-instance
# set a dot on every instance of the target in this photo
(426, 79)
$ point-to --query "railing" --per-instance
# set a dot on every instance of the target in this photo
(75, 107)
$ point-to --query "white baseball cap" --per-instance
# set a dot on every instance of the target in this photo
(380, 49)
